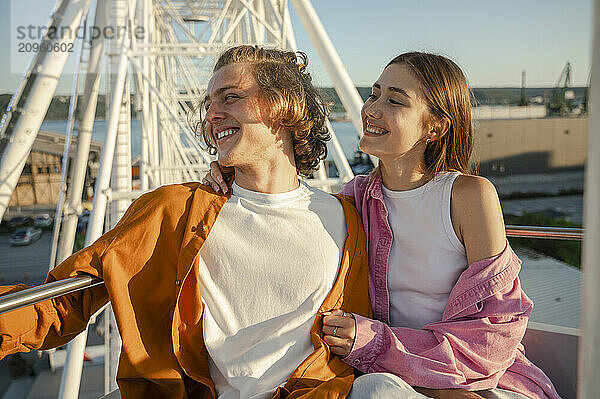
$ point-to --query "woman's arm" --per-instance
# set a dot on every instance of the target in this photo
(471, 351)
(477, 217)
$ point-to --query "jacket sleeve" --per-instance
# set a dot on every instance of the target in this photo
(470, 350)
(53, 323)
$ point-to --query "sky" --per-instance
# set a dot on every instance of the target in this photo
(493, 41)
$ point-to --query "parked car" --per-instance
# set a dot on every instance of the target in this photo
(19, 221)
(25, 236)
(43, 220)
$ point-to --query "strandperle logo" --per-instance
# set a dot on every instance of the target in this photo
(63, 38)
(37, 33)
(32, 31)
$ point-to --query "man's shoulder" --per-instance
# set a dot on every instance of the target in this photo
(169, 193)
(345, 198)
(343, 203)
(356, 186)
(177, 189)
(333, 199)
(176, 195)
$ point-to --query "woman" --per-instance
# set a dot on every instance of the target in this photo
(449, 311)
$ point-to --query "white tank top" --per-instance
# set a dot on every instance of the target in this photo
(426, 256)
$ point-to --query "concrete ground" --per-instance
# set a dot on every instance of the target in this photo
(549, 183)
(569, 207)
(24, 264)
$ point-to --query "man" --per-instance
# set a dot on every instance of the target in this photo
(222, 295)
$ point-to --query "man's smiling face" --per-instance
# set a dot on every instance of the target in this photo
(237, 119)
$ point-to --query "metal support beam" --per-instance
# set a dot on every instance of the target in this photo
(74, 363)
(84, 138)
(16, 152)
(589, 347)
(121, 170)
(333, 64)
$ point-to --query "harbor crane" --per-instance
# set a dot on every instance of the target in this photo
(561, 103)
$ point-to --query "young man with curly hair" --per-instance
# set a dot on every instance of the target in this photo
(222, 295)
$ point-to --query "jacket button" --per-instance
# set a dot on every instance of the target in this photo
(177, 282)
(356, 361)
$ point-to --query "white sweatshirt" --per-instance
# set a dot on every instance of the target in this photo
(266, 267)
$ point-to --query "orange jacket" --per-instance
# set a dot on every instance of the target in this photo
(147, 264)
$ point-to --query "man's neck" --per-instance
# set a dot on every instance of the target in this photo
(270, 180)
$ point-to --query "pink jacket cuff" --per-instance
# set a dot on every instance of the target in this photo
(367, 344)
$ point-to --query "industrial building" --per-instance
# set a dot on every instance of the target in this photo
(39, 183)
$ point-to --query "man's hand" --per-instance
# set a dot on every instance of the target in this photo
(339, 330)
(448, 393)
(219, 177)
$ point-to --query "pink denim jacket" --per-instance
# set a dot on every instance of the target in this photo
(476, 345)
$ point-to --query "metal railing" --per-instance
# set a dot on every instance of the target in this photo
(55, 289)
(552, 233)
(43, 292)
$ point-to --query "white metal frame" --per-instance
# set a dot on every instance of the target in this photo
(170, 66)
(46, 74)
(589, 346)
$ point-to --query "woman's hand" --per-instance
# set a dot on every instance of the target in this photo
(339, 330)
(219, 177)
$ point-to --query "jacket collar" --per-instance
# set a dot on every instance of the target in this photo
(205, 206)
(374, 186)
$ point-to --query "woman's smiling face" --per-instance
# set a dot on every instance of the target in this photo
(394, 116)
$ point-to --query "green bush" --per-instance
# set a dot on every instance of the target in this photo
(79, 242)
(565, 251)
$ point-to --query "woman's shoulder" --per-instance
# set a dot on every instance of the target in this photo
(475, 196)
(477, 216)
(468, 188)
